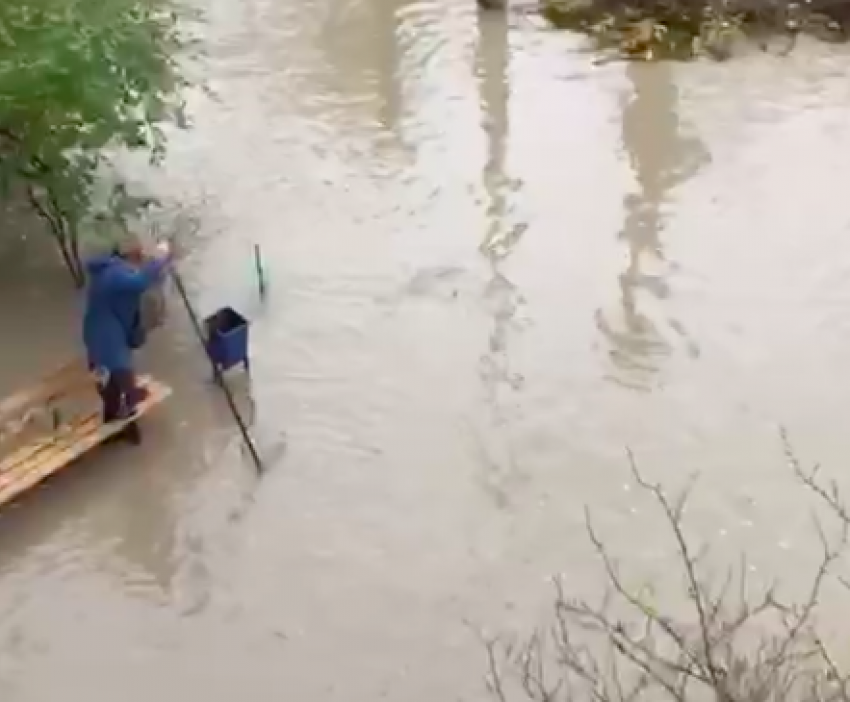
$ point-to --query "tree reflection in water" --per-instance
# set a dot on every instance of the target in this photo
(661, 158)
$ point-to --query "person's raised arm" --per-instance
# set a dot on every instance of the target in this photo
(129, 279)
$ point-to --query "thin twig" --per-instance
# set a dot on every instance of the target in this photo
(715, 658)
(674, 519)
(616, 582)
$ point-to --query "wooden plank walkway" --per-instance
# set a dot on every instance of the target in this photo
(19, 409)
(25, 463)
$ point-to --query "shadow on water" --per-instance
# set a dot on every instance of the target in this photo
(387, 52)
(501, 295)
(140, 517)
(111, 500)
(360, 43)
(661, 158)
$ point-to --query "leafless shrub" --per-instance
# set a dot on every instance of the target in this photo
(729, 645)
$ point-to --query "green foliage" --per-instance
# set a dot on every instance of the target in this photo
(79, 79)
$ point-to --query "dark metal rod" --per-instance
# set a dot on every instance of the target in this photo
(243, 429)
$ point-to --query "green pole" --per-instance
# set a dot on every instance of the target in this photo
(261, 276)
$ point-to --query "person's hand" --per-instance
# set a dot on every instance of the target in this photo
(163, 249)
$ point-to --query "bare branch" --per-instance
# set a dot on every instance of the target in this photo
(674, 519)
(834, 675)
(54, 221)
(494, 678)
(665, 624)
(626, 649)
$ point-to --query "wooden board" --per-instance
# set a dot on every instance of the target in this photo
(35, 462)
(66, 380)
(38, 410)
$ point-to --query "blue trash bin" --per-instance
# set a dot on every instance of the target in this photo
(227, 339)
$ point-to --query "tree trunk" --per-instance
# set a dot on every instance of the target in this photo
(65, 239)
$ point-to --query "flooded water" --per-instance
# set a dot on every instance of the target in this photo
(494, 265)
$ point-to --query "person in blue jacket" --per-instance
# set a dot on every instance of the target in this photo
(112, 326)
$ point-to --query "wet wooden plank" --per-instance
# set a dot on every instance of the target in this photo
(65, 380)
(65, 435)
(37, 410)
(34, 463)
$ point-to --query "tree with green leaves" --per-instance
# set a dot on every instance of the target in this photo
(79, 80)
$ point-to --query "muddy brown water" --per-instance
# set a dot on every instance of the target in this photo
(494, 265)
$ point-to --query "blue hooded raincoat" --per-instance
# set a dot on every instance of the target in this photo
(111, 322)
